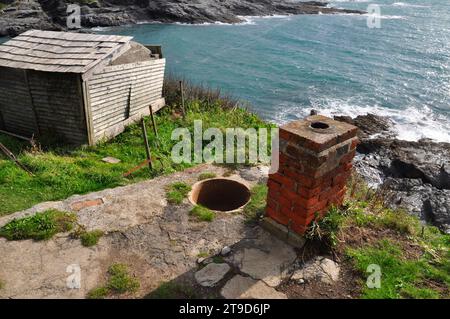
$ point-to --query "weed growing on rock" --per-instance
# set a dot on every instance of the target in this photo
(119, 282)
(91, 238)
(177, 192)
(203, 213)
(257, 204)
(41, 226)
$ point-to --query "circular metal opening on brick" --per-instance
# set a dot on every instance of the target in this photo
(320, 125)
(220, 194)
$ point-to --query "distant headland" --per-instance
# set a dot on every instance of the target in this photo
(17, 17)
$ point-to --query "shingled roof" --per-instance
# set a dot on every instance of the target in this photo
(61, 51)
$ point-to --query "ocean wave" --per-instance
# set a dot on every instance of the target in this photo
(365, 15)
(385, 17)
(357, 1)
(410, 124)
(403, 4)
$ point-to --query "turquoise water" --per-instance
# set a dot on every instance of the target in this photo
(285, 66)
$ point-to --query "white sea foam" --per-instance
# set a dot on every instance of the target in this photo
(403, 4)
(385, 17)
(410, 124)
(357, 1)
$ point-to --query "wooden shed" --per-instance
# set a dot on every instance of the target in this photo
(80, 88)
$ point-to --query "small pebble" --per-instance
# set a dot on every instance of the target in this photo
(225, 251)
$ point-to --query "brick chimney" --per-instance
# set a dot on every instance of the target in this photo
(315, 162)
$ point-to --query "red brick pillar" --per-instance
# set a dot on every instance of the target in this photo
(315, 162)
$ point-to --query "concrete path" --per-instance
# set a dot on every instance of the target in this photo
(158, 242)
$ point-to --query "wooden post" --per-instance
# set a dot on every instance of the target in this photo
(153, 122)
(147, 147)
(182, 99)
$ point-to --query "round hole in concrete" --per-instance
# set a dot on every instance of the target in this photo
(220, 194)
(320, 125)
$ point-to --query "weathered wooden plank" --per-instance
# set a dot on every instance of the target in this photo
(120, 127)
(119, 114)
(120, 87)
(76, 36)
(119, 67)
(49, 55)
(29, 58)
(105, 103)
(13, 43)
(128, 75)
(129, 78)
(125, 71)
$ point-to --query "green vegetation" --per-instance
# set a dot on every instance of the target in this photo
(257, 204)
(206, 175)
(3, 5)
(61, 171)
(173, 290)
(177, 192)
(98, 293)
(401, 277)
(2, 284)
(91, 238)
(41, 226)
(218, 259)
(203, 213)
(414, 259)
(119, 282)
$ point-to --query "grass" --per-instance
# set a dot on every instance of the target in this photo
(3, 5)
(206, 175)
(177, 192)
(414, 259)
(91, 238)
(173, 290)
(257, 204)
(203, 213)
(218, 259)
(61, 171)
(400, 277)
(119, 282)
(41, 226)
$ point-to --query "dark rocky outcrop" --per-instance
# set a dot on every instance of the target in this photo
(51, 14)
(416, 174)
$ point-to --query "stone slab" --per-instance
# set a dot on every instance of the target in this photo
(240, 287)
(211, 274)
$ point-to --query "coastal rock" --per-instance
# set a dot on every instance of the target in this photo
(370, 125)
(18, 17)
(416, 174)
(437, 209)
(320, 268)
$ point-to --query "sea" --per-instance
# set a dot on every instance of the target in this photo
(393, 61)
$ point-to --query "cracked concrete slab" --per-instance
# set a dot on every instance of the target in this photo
(211, 274)
(240, 287)
(264, 257)
(158, 241)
